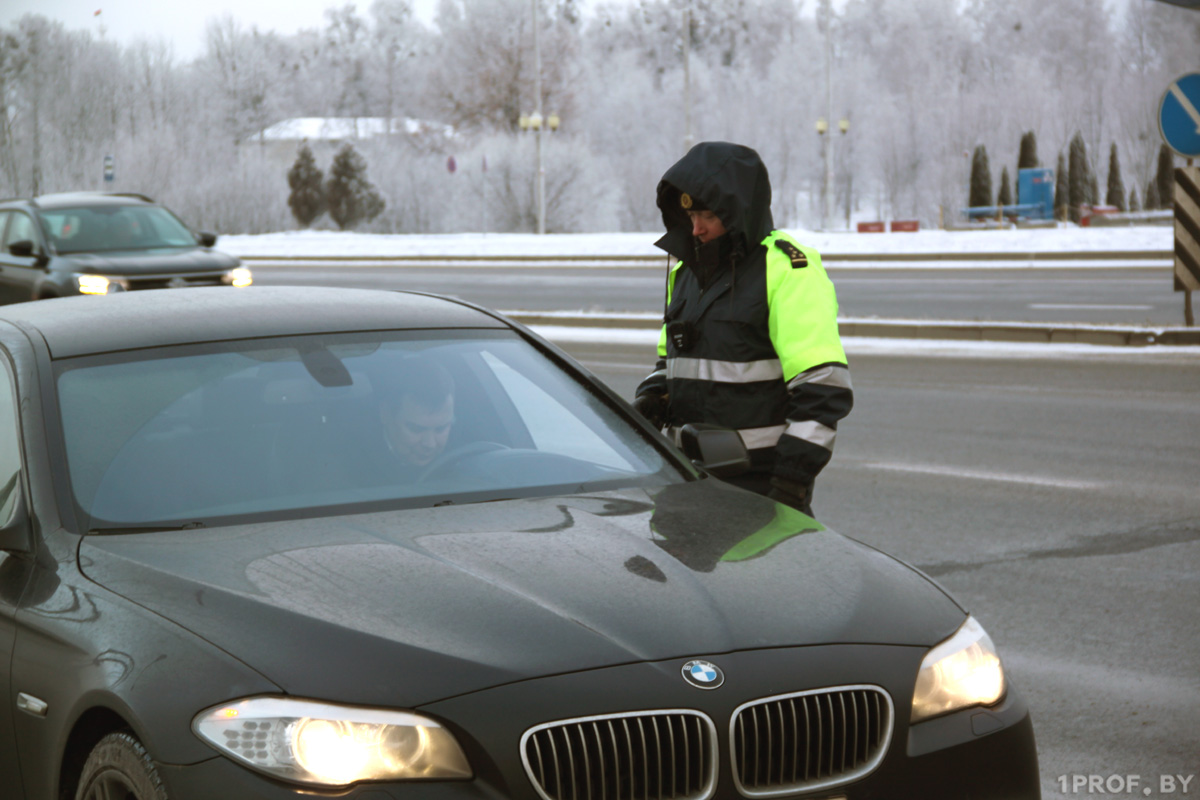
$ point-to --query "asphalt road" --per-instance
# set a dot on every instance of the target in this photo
(1058, 500)
(1128, 296)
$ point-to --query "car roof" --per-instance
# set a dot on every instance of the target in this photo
(70, 199)
(77, 326)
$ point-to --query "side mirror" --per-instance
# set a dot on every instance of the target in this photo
(23, 248)
(206, 239)
(16, 536)
(718, 450)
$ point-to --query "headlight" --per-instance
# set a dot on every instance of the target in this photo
(330, 745)
(98, 284)
(238, 276)
(960, 672)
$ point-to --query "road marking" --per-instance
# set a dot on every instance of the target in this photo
(1088, 306)
(980, 475)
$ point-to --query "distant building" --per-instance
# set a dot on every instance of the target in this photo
(326, 134)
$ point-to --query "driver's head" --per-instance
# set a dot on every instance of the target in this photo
(417, 410)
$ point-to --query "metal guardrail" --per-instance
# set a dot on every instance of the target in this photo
(1100, 258)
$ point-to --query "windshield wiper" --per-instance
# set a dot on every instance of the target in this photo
(187, 526)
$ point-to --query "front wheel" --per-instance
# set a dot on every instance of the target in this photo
(119, 768)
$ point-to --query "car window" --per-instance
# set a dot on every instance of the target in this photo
(317, 424)
(10, 445)
(20, 228)
(88, 229)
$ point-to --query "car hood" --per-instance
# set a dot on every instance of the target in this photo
(408, 607)
(161, 261)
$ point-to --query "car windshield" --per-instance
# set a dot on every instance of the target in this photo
(309, 426)
(98, 229)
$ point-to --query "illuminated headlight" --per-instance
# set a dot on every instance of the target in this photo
(960, 672)
(98, 284)
(330, 745)
(238, 276)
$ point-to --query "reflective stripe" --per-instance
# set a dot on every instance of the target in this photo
(753, 438)
(828, 375)
(704, 369)
(813, 432)
(758, 438)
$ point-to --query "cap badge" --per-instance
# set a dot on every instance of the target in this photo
(685, 200)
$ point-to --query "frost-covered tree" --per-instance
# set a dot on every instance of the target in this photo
(1116, 186)
(349, 196)
(307, 196)
(1004, 196)
(1134, 205)
(981, 179)
(1153, 202)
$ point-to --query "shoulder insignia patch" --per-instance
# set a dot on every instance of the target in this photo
(799, 260)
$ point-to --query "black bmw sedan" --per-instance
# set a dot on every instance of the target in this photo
(285, 543)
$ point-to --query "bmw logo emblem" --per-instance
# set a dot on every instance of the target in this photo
(703, 674)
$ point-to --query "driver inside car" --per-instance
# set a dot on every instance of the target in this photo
(416, 409)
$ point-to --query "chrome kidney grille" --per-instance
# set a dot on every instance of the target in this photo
(809, 740)
(647, 755)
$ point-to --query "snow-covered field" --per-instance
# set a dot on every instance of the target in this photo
(1017, 241)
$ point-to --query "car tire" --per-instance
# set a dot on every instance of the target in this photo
(119, 767)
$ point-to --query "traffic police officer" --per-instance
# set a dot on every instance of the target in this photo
(750, 338)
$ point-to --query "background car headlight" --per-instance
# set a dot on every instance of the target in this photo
(238, 276)
(330, 745)
(98, 284)
(962, 671)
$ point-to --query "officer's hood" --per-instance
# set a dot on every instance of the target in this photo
(729, 179)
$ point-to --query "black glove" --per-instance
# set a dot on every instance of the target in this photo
(653, 406)
(796, 494)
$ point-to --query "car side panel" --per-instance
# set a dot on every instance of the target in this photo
(79, 647)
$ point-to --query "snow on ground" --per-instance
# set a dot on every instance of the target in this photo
(1068, 238)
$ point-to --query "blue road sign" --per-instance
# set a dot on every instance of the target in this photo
(1179, 115)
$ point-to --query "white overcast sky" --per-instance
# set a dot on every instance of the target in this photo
(183, 23)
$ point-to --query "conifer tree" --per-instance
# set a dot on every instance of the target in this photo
(1004, 196)
(1061, 195)
(1134, 205)
(1116, 186)
(981, 179)
(307, 198)
(1078, 183)
(1027, 158)
(1165, 177)
(1093, 193)
(1152, 203)
(350, 196)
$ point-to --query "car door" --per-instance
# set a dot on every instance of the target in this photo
(14, 576)
(19, 274)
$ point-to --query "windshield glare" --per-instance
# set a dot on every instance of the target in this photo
(324, 424)
(97, 229)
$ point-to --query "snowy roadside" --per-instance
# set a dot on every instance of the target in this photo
(1070, 239)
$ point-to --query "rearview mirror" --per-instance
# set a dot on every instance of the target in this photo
(206, 239)
(718, 450)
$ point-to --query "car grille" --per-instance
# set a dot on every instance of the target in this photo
(176, 281)
(809, 740)
(664, 755)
